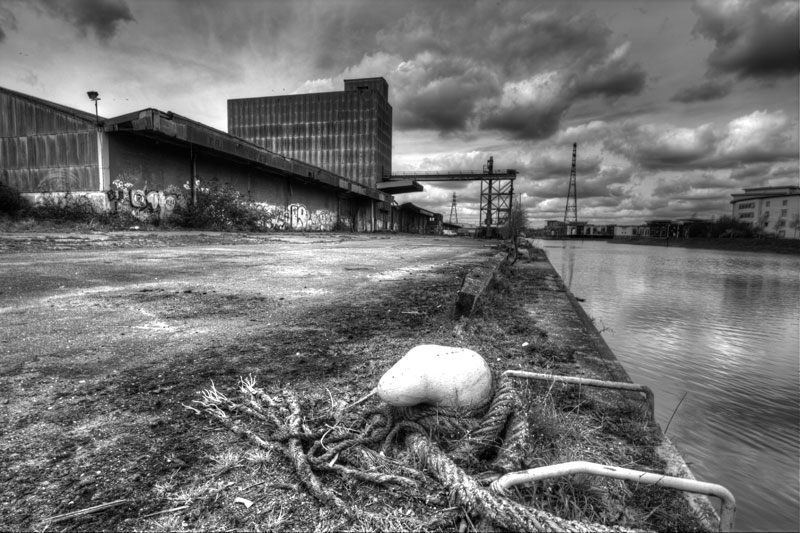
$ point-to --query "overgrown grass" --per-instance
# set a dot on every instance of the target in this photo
(219, 207)
(566, 422)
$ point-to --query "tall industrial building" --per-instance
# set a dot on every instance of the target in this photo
(348, 132)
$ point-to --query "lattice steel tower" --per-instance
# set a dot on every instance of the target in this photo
(571, 210)
(453, 210)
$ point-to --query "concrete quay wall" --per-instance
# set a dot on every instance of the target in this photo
(604, 362)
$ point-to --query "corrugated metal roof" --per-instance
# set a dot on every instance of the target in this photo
(77, 113)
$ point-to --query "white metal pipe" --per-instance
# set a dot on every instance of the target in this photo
(621, 385)
(727, 511)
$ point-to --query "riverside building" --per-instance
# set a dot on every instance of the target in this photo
(774, 210)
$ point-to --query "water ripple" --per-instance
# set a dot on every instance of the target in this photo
(720, 328)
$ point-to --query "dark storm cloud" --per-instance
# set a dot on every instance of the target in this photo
(703, 92)
(752, 39)
(609, 181)
(612, 80)
(748, 172)
(7, 21)
(598, 201)
(693, 185)
(445, 100)
(343, 30)
(526, 69)
(758, 137)
(527, 36)
(592, 182)
(525, 122)
(655, 148)
(234, 26)
(100, 16)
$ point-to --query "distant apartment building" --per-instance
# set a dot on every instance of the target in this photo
(346, 132)
(774, 210)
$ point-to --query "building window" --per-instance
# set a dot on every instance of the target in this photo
(785, 202)
(745, 215)
(784, 212)
(766, 214)
(767, 204)
(748, 205)
(781, 223)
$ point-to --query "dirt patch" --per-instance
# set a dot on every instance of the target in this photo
(101, 417)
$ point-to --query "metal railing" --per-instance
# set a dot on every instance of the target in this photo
(445, 175)
(620, 385)
(727, 512)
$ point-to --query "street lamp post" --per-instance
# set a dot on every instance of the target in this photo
(94, 96)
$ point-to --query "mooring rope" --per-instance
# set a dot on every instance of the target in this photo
(500, 428)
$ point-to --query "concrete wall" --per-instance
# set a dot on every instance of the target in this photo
(153, 177)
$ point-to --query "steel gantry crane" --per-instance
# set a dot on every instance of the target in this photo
(497, 190)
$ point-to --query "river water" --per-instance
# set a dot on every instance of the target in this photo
(716, 335)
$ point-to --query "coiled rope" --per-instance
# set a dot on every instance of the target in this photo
(498, 430)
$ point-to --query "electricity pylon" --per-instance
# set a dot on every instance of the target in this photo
(453, 210)
(571, 210)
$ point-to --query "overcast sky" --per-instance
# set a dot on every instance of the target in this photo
(674, 104)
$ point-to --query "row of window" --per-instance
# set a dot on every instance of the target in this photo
(784, 213)
(750, 205)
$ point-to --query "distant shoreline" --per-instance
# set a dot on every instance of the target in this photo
(769, 245)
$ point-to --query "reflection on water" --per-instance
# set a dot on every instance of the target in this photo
(722, 328)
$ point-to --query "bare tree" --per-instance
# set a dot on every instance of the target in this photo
(516, 225)
(795, 223)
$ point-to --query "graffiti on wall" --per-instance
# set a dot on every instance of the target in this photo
(145, 203)
(293, 217)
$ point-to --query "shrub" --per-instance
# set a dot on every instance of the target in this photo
(727, 226)
(219, 207)
(11, 201)
(64, 208)
(124, 219)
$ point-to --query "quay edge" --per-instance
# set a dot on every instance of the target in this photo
(609, 364)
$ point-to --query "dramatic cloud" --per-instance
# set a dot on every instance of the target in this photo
(758, 137)
(659, 146)
(438, 93)
(612, 78)
(101, 16)
(528, 109)
(752, 39)
(519, 78)
(703, 92)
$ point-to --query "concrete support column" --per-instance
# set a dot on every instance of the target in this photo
(103, 168)
(192, 175)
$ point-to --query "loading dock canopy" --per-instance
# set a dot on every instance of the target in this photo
(398, 187)
(176, 129)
